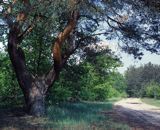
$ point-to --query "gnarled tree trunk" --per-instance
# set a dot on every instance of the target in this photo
(35, 88)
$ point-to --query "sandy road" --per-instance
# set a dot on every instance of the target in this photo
(138, 114)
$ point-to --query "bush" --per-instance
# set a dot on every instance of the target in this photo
(105, 91)
(153, 90)
(59, 94)
(87, 94)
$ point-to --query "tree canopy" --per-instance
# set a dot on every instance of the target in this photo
(134, 23)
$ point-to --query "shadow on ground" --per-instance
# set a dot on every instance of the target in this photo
(136, 119)
(65, 116)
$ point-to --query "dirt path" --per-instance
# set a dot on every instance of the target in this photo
(137, 114)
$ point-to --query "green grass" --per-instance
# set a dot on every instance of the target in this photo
(82, 116)
(70, 116)
(70, 113)
(151, 101)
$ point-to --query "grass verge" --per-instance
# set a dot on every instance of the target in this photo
(151, 101)
(69, 116)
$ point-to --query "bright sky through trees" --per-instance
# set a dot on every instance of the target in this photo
(129, 60)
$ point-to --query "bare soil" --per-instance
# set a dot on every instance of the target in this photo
(138, 115)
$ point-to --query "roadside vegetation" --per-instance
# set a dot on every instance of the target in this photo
(66, 116)
(84, 115)
(151, 101)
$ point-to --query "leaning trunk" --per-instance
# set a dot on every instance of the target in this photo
(34, 89)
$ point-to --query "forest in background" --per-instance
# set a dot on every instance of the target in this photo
(143, 81)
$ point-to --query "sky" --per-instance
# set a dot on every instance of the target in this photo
(129, 60)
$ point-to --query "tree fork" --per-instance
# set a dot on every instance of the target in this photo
(35, 88)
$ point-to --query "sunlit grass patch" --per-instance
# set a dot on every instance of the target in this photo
(151, 101)
(77, 112)
(81, 116)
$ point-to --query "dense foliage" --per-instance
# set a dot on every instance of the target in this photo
(143, 81)
(10, 92)
(93, 79)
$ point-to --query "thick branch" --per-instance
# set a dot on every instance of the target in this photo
(18, 59)
(53, 74)
(56, 50)
(50, 77)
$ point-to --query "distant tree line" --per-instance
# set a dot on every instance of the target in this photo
(143, 81)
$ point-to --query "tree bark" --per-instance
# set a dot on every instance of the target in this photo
(36, 98)
(34, 88)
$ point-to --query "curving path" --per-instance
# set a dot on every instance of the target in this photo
(138, 115)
